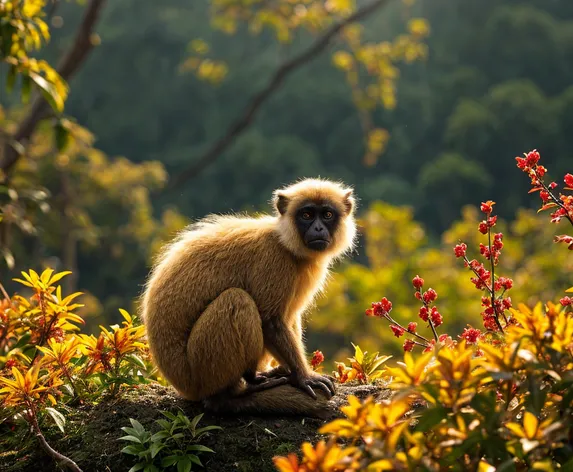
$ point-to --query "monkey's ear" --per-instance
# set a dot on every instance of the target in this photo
(280, 201)
(349, 201)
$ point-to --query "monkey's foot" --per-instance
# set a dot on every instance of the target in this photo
(265, 385)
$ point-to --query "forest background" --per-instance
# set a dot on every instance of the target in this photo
(495, 79)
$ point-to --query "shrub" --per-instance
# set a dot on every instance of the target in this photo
(500, 398)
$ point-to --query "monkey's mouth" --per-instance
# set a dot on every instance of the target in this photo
(318, 244)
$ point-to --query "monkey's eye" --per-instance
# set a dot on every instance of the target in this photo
(307, 215)
(328, 215)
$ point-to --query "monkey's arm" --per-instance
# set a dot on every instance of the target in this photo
(285, 345)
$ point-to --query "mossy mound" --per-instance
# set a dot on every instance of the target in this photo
(246, 443)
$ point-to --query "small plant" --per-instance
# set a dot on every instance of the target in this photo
(363, 367)
(173, 446)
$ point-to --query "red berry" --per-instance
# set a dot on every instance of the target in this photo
(568, 180)
(482, 228)
(418, 282)
(471, 335)
(429, 296)
(460, 250)
(397, 330)
(566, 301)
(521, 162)
(532, 158)
(386, 304)
(408, 345)
(544, 195)
(424, 313)
(412, 327)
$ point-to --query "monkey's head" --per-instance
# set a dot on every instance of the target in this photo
(316, 217)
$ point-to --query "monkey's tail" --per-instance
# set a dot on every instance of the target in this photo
(282, 400)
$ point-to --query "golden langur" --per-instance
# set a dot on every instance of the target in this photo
(227, 296)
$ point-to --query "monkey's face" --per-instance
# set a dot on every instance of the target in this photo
(316, 223)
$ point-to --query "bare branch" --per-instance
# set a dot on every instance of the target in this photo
(274, 83)
(60, 458)
(67, 67)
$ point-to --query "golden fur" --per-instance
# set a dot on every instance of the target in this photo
(216, 290)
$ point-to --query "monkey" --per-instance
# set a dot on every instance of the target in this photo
(227, 295)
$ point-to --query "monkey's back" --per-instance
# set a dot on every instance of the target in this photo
(220, 253)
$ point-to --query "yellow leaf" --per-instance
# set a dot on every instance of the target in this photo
(57, 277)
(343, 60)
(381, 465)
(569, 290)
(530, 424)
(485, 467)
(125, 314)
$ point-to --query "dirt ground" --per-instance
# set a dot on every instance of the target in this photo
(91, 435)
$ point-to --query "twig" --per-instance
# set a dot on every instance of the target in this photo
(259, 99)
(67, 67)
(60, 458)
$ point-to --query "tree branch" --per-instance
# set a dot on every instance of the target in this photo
(60, 458)
(67, 67)
(259, 99)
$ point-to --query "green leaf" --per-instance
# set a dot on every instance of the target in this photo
(164, 424)
(160, 435)
(130, 431)
(169, 415)
(137, 467)
(132, 449)
(207, 428)
(196, 421)
(200, 448)
(169, 461)
(58, 418)
(155, 448)
(136, 360)
(195, 459)
(130, 438)
(48, 91)
(184, 465)
(137, 425)
(150, 468)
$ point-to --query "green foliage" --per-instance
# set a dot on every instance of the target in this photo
(173, 446)
(23, 30)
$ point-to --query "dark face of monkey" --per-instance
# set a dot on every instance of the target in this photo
(316, 223)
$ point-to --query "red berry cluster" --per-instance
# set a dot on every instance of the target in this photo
(428, 314)
(494, 303)
(562, 204)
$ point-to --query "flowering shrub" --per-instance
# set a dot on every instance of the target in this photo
(500, 398)
(45, 363)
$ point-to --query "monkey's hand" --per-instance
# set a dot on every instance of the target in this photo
(306, 382)
(260, 377)
(279, 371)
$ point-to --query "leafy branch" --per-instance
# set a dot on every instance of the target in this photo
(252, 108)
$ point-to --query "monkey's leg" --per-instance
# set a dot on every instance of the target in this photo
(226, 342)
